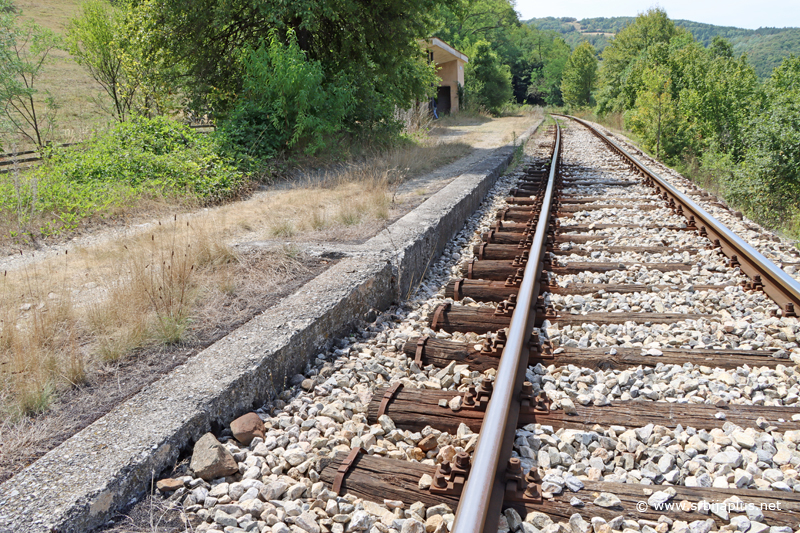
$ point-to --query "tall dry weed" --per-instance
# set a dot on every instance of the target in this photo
(38, 342)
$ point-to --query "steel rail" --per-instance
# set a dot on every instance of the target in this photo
(478, 505)
(777, 284)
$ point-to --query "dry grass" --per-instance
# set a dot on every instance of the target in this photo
(61, 318)
(343, 203)
(482, 131)
(153, 515)
(612, 121)
(123, 339)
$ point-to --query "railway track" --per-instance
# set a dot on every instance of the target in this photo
(608, 357)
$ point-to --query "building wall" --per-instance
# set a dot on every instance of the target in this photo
(452, 74)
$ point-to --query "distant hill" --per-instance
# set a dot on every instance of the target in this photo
(765, 47)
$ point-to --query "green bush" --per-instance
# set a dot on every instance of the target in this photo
(286, 102)
(141, 158)
(488, 80)
(767, 183)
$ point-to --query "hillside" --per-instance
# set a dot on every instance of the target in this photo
(765, 47)
(74, 89)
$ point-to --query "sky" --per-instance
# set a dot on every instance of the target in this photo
(740, 13)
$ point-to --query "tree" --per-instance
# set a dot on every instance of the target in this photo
(95, 39)
(24, 51)
(468, 21)
(767, 184)
(716, 96)
(720, 47)
(548, 55)
(487, 81)
(375, 44)
(655, 118)
(618, 87)
(579, 75)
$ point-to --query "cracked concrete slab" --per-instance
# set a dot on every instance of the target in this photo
(109, 464)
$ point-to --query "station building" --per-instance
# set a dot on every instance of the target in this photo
(450, 69)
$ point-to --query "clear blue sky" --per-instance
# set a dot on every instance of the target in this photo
(740, 13)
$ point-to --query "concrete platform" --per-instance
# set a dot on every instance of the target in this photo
(79, 485)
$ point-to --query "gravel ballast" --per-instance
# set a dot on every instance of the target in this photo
(277, 488)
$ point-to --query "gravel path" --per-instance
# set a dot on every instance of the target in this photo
(272, 483)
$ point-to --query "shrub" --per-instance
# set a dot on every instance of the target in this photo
(488, 80)
(141, 158)
(286, 102)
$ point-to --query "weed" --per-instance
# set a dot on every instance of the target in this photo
(318, 220)
(283, 228)
(34, 397)
(350, 215)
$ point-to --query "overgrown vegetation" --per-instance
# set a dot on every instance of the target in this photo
(704, 111)
(138, 160)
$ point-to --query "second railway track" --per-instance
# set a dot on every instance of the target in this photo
(600, 362)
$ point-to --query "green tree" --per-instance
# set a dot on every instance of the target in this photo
(548, 56)
(375, 44)
(767, 183)
(720, 47)
(716, 97)
(619, 82)
(487, 81)
(654, 118)
(467, 21)
(579, 75)
(95, 38)
(285, 100)
(25, 49)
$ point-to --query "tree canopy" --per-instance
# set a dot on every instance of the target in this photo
(375, 44)
(579, 75)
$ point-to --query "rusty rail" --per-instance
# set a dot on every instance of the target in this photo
(481, 501)
(777, 284)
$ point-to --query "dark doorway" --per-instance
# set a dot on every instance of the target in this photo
(443, 101)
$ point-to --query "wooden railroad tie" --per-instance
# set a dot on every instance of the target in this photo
(414, 409)
(495, 291)
(495, 252)
(442, 352)
(376, 478)
(523, 240)
(485, 319)
(523, 214)
(500, 270)
(522, 227)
